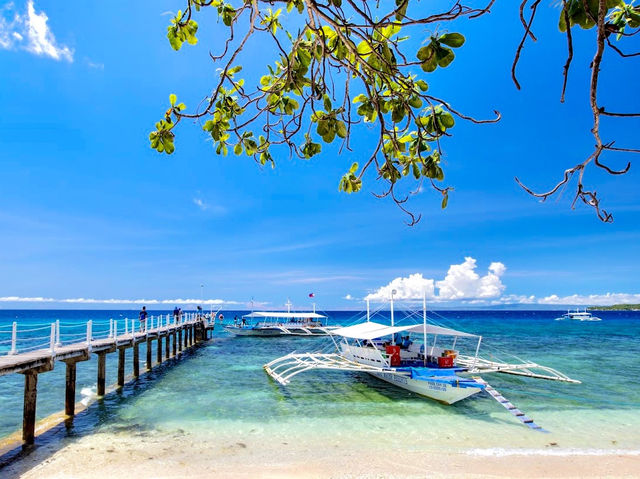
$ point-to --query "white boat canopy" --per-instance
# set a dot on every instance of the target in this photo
(277, 314)
(371, 330)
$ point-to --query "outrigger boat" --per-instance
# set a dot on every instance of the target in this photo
(578, 315)
(418, 364)
(265, 324)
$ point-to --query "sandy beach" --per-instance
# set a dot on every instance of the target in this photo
(181, 454)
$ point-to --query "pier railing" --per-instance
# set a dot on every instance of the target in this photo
(15, 339)
(36, 349)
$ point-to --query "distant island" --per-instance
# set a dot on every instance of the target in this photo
(617, 307)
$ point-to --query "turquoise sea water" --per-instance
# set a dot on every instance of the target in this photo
(221, 389)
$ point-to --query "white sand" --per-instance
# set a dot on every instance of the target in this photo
(158, 455)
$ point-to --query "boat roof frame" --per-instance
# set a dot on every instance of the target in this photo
(372, 330)
(283, 315)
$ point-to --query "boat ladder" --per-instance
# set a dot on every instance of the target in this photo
(505, 403)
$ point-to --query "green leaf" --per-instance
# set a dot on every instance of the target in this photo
(329, 136)
(447, 120)
(341, 130)
(172, 99)
(364, 48)
(323, 127)
(422, 85)
(327, 103)
(445, 199)
(415, 102)
(445, 57)
(426, 53)
(454, 40)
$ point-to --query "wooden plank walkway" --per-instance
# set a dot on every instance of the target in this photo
(177, 336)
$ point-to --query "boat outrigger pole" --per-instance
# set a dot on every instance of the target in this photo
(393, 336)
(368, 315)
(424, 326)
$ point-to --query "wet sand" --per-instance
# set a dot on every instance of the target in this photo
(179, 454)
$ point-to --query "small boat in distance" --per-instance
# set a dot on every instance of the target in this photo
(578, 315)
(277, 323)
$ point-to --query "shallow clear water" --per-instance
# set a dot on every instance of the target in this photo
(220, 389)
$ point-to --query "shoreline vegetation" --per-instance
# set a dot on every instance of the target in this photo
(616, 307)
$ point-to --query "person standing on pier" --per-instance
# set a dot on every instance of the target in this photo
(143, 318)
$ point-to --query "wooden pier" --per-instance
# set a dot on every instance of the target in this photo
(178, 334)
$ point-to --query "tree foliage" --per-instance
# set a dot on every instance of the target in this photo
(340, 65)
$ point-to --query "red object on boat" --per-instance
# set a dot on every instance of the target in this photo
(446, 362)
(394, 355)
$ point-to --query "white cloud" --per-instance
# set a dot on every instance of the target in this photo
(40, 299)
(412, 287)
(95, 65)
(200, 204)
(29, 31)
(461, 283)
(348, 297)
(21, 299)
(592, 299)
(606, 299)
(515, 299)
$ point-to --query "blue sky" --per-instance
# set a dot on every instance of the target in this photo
(89, 211)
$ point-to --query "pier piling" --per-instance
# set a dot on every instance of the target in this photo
(148, 353)
(121, 358)
(174, 343)
(167, 346)
(159, 352)
(70, 383)
(102, 372)
(136, 359)
(70, 389)
(29, 408)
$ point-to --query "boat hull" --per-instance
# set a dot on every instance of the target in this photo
(252, 332)
(442, 392)
(273, 332)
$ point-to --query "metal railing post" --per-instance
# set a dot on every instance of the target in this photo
(52, 339)
(14, 337)
(126, 325)
(111, 327)
(115, 329)
(58, 343)
(89, 333)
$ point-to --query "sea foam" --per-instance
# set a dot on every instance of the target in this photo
(551, 451)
